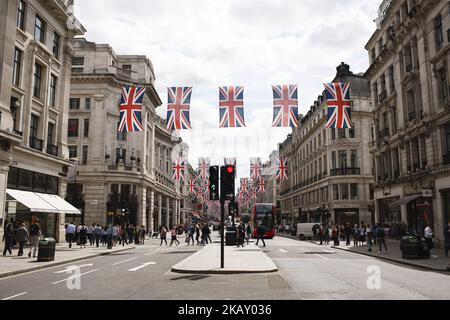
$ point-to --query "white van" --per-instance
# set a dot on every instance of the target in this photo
(304, 230)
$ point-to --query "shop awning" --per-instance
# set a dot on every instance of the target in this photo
(404, 200)
(45, 203)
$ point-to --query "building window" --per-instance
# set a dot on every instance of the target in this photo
(446, 144)
(439, 38)
(56, 45)
(74, 103)
(73, 152)
(341, 133)
(53, 86)
(354, 191)
(391, 79)
(121, 136)
(443, 86)
(85, 155)
(353, 159)
(50, 133)
(342, 159)
(20, 20)
(411, 105)
(333, 134)
(73, 128)
(335, 192)
(39, 30)
(34, 126)
(87, 104)
(86, 128)
(78, 61)
(37, 80)
(77, 70)
(344, 191)
(351, 132)
(333, 160)
(17, 66)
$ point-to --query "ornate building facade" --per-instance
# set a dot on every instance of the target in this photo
(409, 57)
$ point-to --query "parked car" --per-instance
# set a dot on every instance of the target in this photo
(304, 230)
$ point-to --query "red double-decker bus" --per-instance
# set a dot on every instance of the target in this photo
(264, 213)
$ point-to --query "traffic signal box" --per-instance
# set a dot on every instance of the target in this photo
(214, 183)
(227, 179)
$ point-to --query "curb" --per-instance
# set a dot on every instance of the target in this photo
(12, 273)
(219, 271)
(395, 260)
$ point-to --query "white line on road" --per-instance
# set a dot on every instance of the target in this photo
(114, 264)
(70, 268)
(14, 296)
(150, 253)
(75, 276)
(322, 256)
(282, 250)
(141, 266)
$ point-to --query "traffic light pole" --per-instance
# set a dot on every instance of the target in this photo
(222, 240)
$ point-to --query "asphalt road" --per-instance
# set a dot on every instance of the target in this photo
(306, 271)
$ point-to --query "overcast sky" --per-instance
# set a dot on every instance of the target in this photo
(254, 43)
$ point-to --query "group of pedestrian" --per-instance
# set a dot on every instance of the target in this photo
(16, 233)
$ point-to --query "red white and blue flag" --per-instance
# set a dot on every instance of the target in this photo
(262, 185)
(231, 107)
(255, 168)
(244, 185)
(203, 166)
(178, 108)
(338, 101)
(178, 168)
(282, 168)
(285, 106)
(254, 194)
(191, 185)
(131, 109)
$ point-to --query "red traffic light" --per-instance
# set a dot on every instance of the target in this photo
(230, 169)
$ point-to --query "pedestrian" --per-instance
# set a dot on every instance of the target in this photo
(123, 236)
(98, 234)
(8, 238)
(320, 233)
(381, 235)
(428, 234)
(314, 231)
(327, 235)
(90, 234)
(115, 234)
(22, 237)
(173, 235)
(162, 234)
(197, 233)
(248, 232)
(447, 238)
(83, 235)
(369, 237)
(104, 235)
(240, 235)
(131, 233)
(35, 234)
(204, 228)
(142, 234)
(355, 234)
(70, 233)
(190, 235)
(335, 235)
(348, 232)
(261, 232)
(209, 234)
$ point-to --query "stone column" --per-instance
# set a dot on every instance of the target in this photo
(152, 210)
(61, 217)
(159, 210)
(167, 222)
(178, 211)
(143, 207)
(4, 168)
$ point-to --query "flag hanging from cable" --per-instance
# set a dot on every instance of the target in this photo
(282, 168)
(178, 108)
(131, 109)
(178, 168)
(203, 166)
(339, 108)
(255, 168)
(285, 106)
(231, 107)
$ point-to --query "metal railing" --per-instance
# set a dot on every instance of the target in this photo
(36, 143)
(345, 171)
(52, 149)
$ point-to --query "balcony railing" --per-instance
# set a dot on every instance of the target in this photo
(384, 133)
(345, 171)
(19, 133)
(382, 96)
(52, 149)
(36, 143)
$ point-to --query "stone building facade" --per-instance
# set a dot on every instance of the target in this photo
(269, 171)
(35, 66)
(127, 175)
(409, 57)
(330, 170)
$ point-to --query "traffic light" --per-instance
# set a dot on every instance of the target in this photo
(214, 183)
(227, 178)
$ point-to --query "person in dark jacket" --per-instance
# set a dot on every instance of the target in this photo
(260, 233)
(8, 238)
(447, 238)
(83, 235)
(22, 237)
(240, 235)
(248, 232)
(347, 232)
(197, 233)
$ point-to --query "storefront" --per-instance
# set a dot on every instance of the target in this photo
(389, 211)
(446, 205)
(344, 216)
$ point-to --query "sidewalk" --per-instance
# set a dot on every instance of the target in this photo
(249, 259)
(437, 262)
(11, 265)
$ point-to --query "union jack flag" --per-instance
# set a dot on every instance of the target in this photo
(339, 110)
(191, 185)
(285, 106)
(254, 193)
(282, 168)
(178, 108)
(255, 168)
(203, 165)
(130, 109)
(262, 185)
(231, 107)
(244, 184)
(178, 168)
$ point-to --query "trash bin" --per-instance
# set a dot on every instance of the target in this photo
(413, 247)
(46, 250)
(230, 238)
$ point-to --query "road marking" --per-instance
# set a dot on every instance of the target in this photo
(70, 268)
(282, 250)
(141, 266)
(74, 276)
(321, 256)
(150, 253)
(114, 264)
(14, 296)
